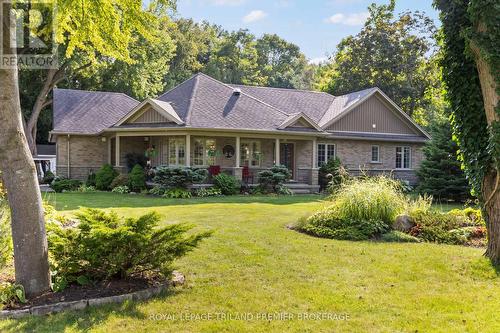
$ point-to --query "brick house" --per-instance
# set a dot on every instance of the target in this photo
(238, 129)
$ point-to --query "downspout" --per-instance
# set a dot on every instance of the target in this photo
(69, 164)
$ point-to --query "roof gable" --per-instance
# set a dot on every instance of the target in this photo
(300, 121)
(151, 111)
(373, 112)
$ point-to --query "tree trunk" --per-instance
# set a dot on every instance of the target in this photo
(20, 179)
(491, 182)
(492, 210)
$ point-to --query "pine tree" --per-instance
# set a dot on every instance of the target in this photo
(440, 174)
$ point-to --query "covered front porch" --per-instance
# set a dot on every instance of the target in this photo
(242, 156)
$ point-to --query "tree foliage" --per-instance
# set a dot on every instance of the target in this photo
(440, 173)
(471, 65)
(392, 53)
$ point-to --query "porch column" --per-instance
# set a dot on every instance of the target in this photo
(314, 153)
(314, 167)
(109, 150)
(238, 152)
(188, 150)
(277, 152)
(117, 151)
(238, 170)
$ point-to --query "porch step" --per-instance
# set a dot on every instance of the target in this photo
(298, 188)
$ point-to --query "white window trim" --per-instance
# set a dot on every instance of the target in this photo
(177, 141)
(251, 153)
(378, 154)
(205, 152)
(403, 158)
(327, 158)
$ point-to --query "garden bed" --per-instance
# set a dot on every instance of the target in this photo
(77, 297)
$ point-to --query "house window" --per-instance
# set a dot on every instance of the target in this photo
(403, 157)
(375, 154)
(251, 153)
(176, 151)
(325, 153)
(204, 151)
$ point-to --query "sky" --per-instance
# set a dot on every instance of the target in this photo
(316, 26)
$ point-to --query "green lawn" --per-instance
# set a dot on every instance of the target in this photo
(253, 264)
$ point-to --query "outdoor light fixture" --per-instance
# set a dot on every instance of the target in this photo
(103, 139)
(146, 138)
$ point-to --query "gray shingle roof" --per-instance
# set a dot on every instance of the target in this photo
(203, 102)
(88, 112)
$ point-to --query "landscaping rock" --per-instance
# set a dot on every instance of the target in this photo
(403, 223)
(177, 278)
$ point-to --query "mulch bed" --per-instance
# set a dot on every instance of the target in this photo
(98, 290)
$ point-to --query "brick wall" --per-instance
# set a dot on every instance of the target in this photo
(86, 153)
(356, 155)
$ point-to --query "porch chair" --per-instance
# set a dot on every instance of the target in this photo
(246, 175)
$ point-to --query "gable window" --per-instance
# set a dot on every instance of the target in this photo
(403, 157)
(250, 153)
(204, 152)
(176, 151)
(375, 154)
(325, 153)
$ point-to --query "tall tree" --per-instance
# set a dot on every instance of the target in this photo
(391, 53)
(471, 70)
(234, 59)
(281, 62)
(140, 79)
(105, 27)
(19, 176)
(86, 31)
(440, 173)
(194, 46)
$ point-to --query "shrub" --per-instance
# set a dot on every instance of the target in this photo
(177, 193)
(361, 209)
(434, 226)
(332, 174)
(375, 198)
(48, 177)
(227, 184)
(11, 293)
(469, 216)
(102, 246)
(91, 179)
(207, 192)
(179, 177)
(86, 189)
(398, 236)
(120, 180)
(283, 190)
(2, 190)
(121, 189)
(270, 180)
(60, 185)
(157, 190)
(455, 227)
(137, 179)
(104, 177)
(133, 159)
(5, 233)
(326, 224)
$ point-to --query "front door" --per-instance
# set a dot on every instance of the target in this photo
(287, 157)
